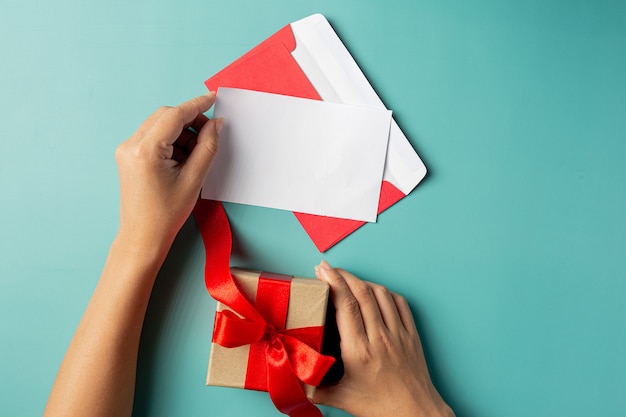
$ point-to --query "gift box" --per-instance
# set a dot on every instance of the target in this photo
(295, 310)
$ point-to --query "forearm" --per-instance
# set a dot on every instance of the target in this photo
(97, 375)
(162, 167)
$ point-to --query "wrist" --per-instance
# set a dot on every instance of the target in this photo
(425, 401)
(437, 408)
(137, 248)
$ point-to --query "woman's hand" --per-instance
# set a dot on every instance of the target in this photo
(162, 167)
(385, 371)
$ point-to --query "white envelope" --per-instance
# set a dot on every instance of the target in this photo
(336, 77)
(307, 59)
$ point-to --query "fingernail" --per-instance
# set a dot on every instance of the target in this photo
(219, 124)
(323, 270)
(210, 94)
(325, 265)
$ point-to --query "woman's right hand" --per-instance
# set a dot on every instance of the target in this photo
(385, 371)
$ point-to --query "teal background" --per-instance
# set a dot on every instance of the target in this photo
(511, 251)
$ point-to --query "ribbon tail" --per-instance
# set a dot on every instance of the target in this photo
(286, 391)
(214, 228)
(309, 365)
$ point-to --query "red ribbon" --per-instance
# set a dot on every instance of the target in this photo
(291, 355)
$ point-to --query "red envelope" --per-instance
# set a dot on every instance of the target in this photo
(270, 67)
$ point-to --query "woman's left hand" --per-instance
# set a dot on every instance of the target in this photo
(162, 167)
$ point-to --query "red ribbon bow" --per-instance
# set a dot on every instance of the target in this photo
(290, 355)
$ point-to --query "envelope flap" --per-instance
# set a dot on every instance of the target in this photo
(327, 231)
(269, 68)
(329, 65)
(337, 77)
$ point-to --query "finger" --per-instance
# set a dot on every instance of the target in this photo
(201, 157)
(386, 304)
(170, 124)
(147, 124)
(372, 318)
(405, 313)
(330, 396)
(349, 320)
(322, 396)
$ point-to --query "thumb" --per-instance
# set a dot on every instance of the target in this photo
(201, 158)
(320, 396)
(326, 396)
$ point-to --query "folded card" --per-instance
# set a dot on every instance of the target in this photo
(299, 154)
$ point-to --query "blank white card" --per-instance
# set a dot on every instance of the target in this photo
(297, 154)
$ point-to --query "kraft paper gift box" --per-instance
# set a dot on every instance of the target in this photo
(307, 303)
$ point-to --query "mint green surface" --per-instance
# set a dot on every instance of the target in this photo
(511, 252)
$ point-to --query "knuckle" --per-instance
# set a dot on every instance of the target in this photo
(141, 152)
(381, 291)
(351, 306)
(334, 275)
(122, 152)
(400, 300)
(363, 356)
(383, 339)
(362, 290)
(212, 148)
(176, 113)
